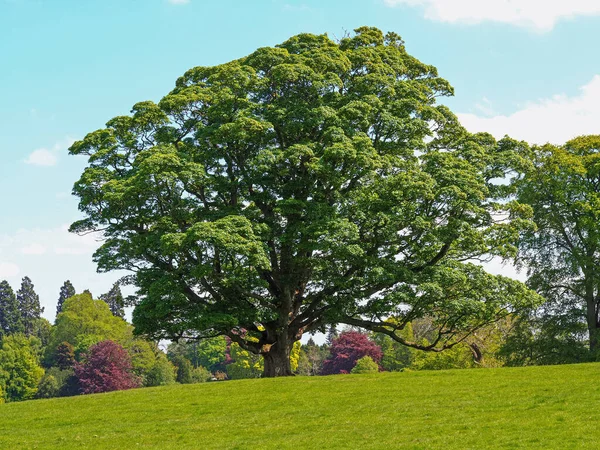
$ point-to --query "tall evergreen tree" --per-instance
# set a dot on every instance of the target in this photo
(29, 306)
(66, 291)
(10, 319)
(115, 301)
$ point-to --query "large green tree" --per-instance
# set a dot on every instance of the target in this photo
(29, 306)
(562, 255)
(10, 318)
(305, 185)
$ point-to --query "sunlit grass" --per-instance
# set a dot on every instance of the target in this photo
(537, 407)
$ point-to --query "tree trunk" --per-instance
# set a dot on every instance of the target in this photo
(277, 360)
(592, 320)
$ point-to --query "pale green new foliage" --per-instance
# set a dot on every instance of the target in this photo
(84, 322)
(245, 364)
(365, 365)
(20, 371)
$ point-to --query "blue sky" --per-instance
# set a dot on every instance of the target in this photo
(68, 66)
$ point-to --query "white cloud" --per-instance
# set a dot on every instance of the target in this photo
(34, 249)
(178, 2)
(42, 157)
(49, 257)
(540, 15)
(49, 157)
(555, 120)
(8, 270)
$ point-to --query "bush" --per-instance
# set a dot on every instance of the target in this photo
(201, 375)
(161, 373)
(220, 376)
(184, 370)
(365, 365)
(347, 349)
(57, 382)
(20, 372)
(107, 367)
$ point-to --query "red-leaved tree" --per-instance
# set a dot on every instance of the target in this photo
(106, 367)
(348, 348)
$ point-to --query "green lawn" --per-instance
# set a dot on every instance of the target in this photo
(537, 407)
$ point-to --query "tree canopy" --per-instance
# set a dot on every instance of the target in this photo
(302, 186)
(562, 185)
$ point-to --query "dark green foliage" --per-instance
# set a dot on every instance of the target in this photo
(184, 370)
(161, 373)
(29, 306)
(64, 356)
(42, 329)
(10, 317)
(562, 186)
(66, 291)
(115, 301)
(305, 185)
(547, 337)
(57, 382)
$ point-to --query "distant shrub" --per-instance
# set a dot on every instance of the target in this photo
(161, 373)
(106, 367)
(57, 383)
(201, 375)
(365, 365)
(347, 349)
(65, 356)
(220, 376)
(184, 369)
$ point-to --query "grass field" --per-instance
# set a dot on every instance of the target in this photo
(537, 407)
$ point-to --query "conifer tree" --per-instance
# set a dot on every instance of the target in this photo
(115, 301)
(10, 319)
(29, 306)
(66, 291)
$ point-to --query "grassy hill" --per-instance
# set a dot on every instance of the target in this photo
(537, 407)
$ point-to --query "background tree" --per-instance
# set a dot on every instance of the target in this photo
(303, 186)
(310, 361)
(20, 371)
(66, 291)
(84, 322)
(561, 255)
(107, 367)
(395, 356)
(163, 372)
(10, 318)
(115, 301)
(64, 357)
(347, 349)
(209, 353)
(184, 370)
(29, 306)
